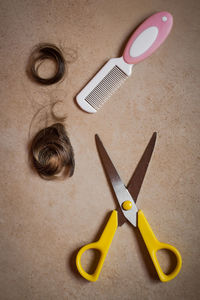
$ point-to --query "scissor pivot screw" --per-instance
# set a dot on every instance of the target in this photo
(127, 205)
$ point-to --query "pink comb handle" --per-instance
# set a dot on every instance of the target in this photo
(148, 37)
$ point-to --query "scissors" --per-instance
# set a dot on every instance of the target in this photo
(127, 197)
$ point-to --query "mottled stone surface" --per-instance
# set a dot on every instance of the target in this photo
(43, 223)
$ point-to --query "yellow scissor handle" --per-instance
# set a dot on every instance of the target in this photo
(153, 245)
(102, 245)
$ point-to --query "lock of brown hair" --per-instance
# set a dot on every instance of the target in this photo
(42, 52)
(52, 153)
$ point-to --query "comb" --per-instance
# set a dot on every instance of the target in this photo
(144, 41)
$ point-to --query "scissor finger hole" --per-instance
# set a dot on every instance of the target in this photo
(90, 260)
(167, 260)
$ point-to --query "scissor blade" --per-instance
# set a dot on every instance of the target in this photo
(121, 192)
(137, 178)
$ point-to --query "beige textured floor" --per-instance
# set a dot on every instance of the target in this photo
(44, 223)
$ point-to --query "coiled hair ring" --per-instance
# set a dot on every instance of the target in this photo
(41, 53)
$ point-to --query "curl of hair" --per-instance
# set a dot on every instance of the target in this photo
(42, 52)
(52, 153)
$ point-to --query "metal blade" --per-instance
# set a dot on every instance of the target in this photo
(137, 178)
(121, 192)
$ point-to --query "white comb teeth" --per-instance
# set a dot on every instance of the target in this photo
(106, 87)
(104, 84)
